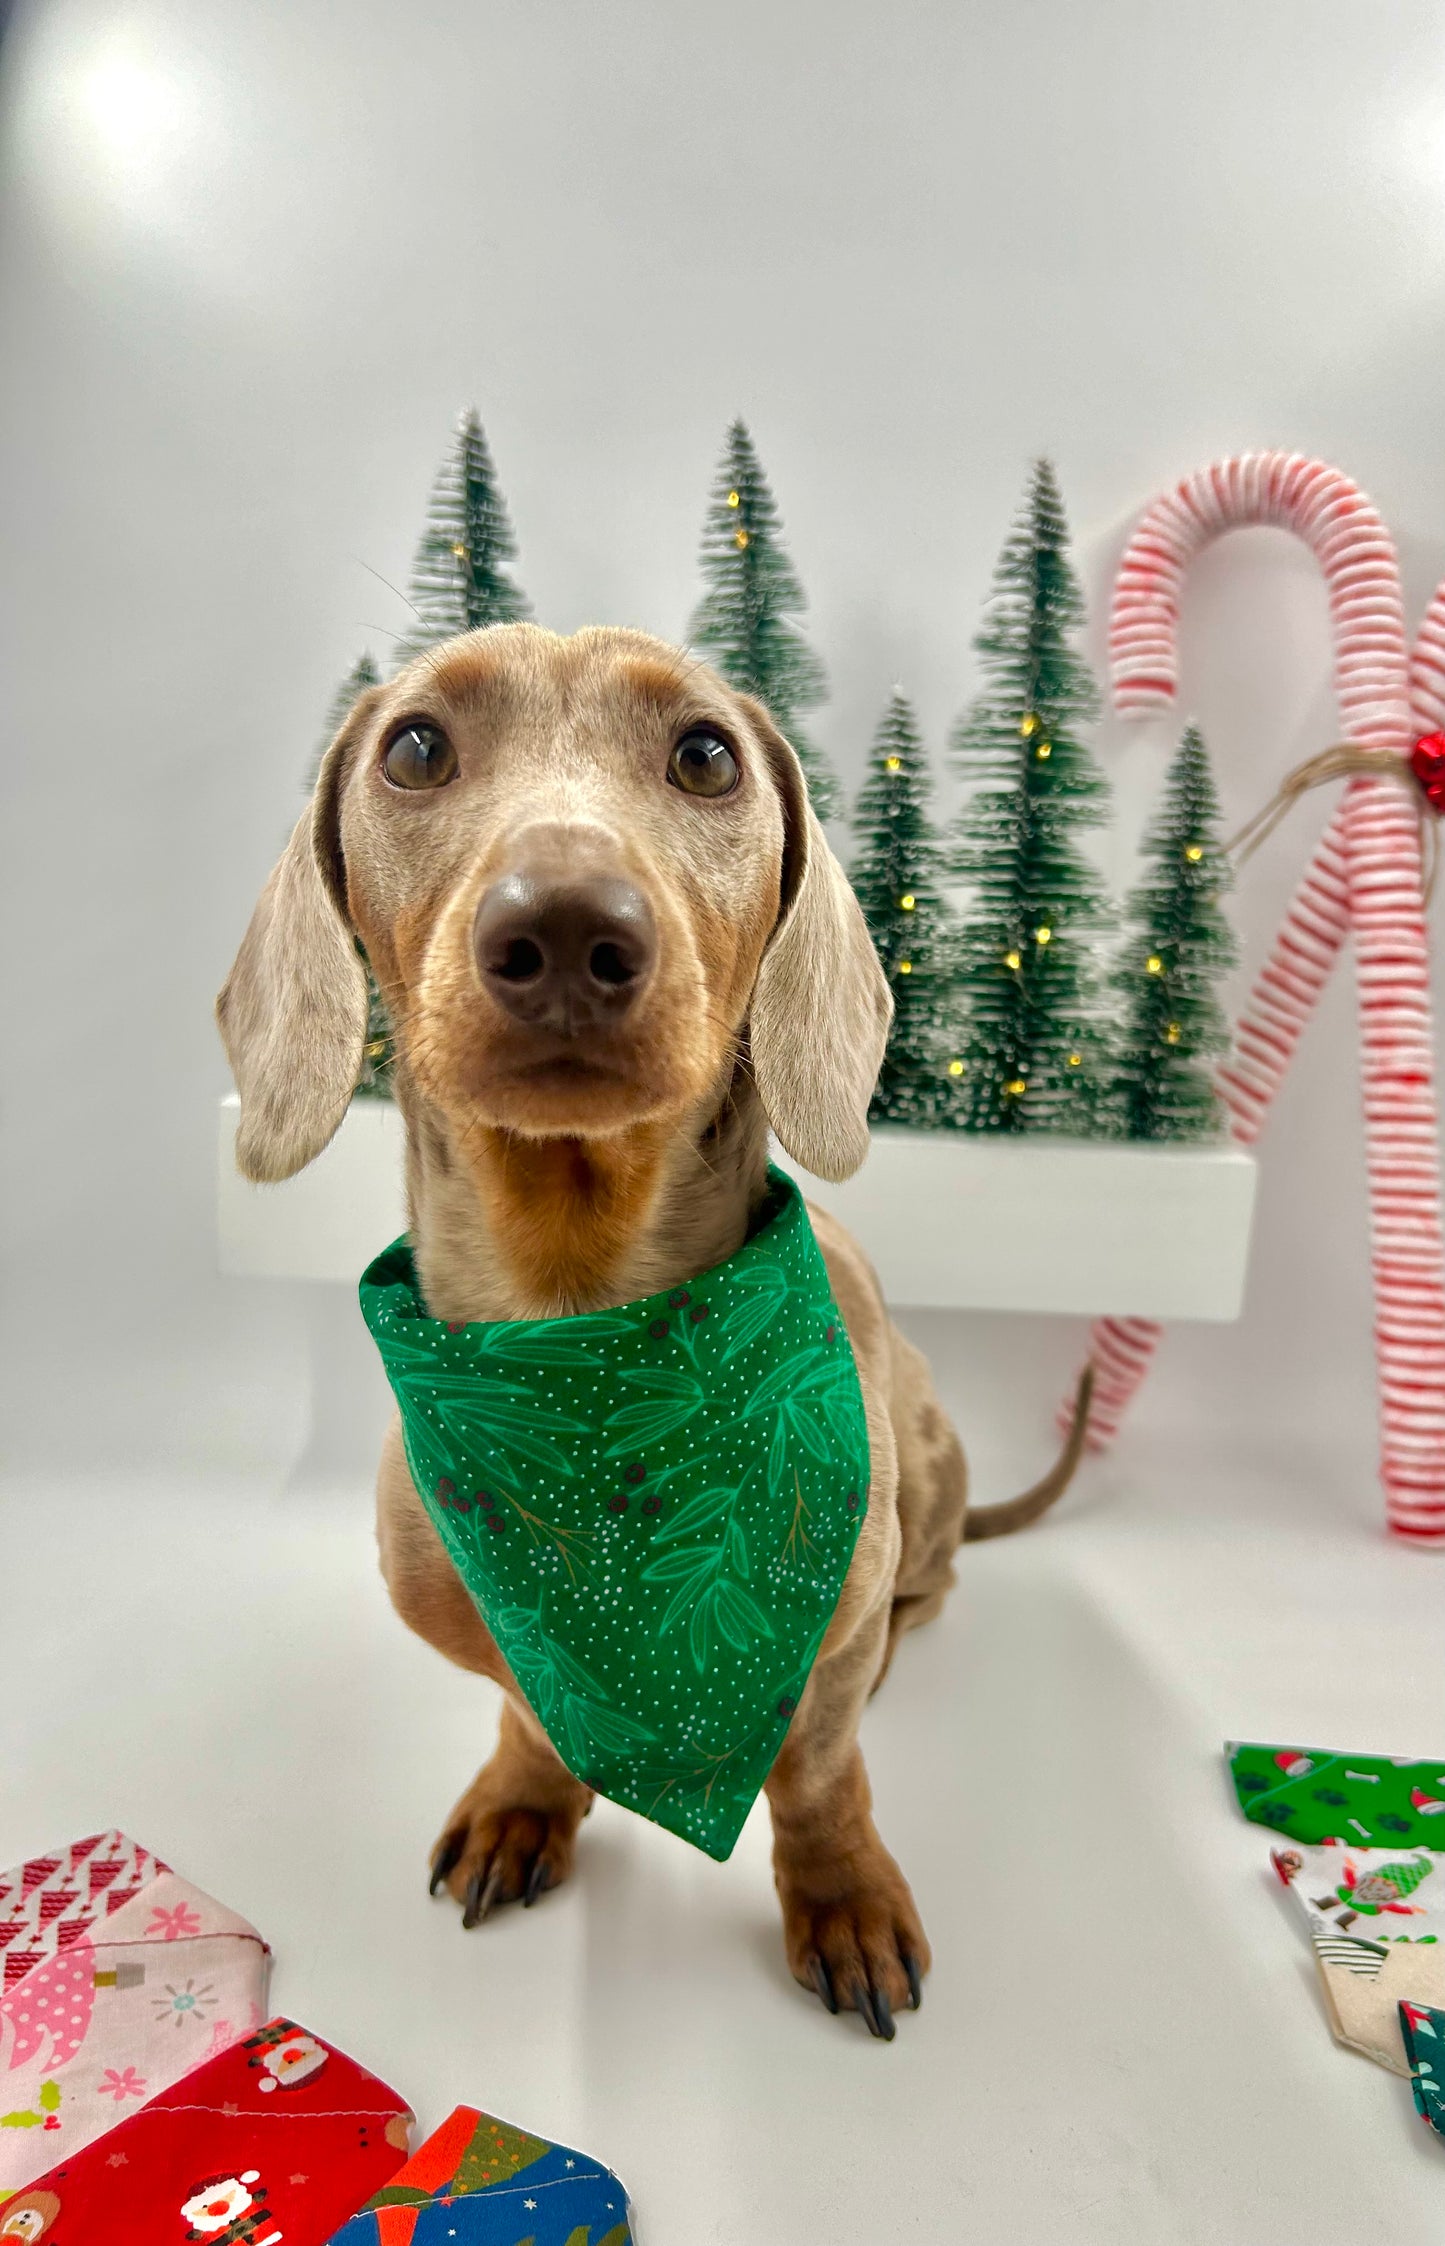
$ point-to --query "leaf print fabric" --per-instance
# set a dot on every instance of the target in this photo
(653, 1508)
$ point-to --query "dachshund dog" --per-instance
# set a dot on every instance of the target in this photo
(615, 948)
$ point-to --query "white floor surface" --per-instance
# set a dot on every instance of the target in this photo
(1121, 2038)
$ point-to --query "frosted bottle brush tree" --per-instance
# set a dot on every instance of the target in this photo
(746, 621)
(895, 878)
(1176, 948)
(1027, 973)
(460, 580)
(363, 674)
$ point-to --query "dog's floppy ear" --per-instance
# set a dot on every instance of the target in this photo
(293, 1009)
(821, 1005)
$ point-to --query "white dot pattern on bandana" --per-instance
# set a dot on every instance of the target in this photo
(653, 1508)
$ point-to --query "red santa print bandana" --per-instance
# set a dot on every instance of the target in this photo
(274, 2143)
(129, 1978)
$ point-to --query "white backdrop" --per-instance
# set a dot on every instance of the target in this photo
(254, 259)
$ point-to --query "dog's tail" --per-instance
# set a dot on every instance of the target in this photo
(1017, 1512)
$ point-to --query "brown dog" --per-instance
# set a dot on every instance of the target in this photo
(615, 947)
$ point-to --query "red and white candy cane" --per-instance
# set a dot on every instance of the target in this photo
(1365, 878)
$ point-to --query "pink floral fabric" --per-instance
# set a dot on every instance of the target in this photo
(129, 1977)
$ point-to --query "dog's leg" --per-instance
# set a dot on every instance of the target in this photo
(932, 1492)
(514, 1830)
(849, 1922)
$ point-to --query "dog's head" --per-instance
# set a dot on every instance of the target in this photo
(582, 871)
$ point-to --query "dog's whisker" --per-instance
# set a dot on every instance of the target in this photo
(404, 598)
(385, 629)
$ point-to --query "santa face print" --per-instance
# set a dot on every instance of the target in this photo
(293, 2061)
(29, 2217)
(228, 2211)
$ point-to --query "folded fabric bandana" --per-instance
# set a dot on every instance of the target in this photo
(272, 2144)
(1375, 1894)
(1375, 1920)
(481, 2182)
(1314, 1795)
(1422, 2031)
(653, 1508)
(120, 1978)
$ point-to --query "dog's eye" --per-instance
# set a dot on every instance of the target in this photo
(703, 764)
(420, 756)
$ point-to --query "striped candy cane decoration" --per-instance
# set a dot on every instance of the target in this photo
(1364, 876)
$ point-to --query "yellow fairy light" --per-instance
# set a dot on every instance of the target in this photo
(460, 551)
(740, 539)
(1028, 724)
(893, 764)
(1044, 751)
(1043, 935)
(955, 1068)
(1194, 852)
(905, 967)
(1153, 965)
(1172, 1033)
(1016, 1089)
(734, 499)
(906, 904)
(1012, 959)
(1076, 1060)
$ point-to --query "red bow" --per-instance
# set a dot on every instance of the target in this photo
(1427, 762)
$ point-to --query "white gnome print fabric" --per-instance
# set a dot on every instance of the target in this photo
(1376, 1922)
(127, 1978)
(1366, 1894)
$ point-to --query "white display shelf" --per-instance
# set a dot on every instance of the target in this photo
(951, 1222)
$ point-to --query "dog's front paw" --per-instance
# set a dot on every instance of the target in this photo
(852, 1932)
(494, 1851)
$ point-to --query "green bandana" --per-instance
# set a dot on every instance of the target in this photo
(653, 1508)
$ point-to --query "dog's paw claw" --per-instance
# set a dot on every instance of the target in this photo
(447, 1856)
(500, 1856)
(861, 1950)
(822, 1981)
(878, 2012)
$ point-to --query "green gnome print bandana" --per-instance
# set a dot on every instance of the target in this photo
(653, 1508)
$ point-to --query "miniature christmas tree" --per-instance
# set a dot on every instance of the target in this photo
(460, 580)
(1177, 946)
(1025, 951)
(744, 622)
(378, 1054)
(895, 878)
(363, 673)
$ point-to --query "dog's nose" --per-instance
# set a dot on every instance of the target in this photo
(564, 956)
